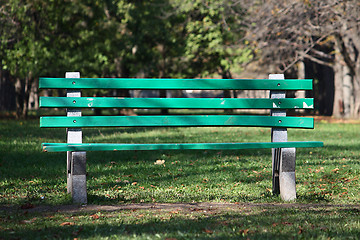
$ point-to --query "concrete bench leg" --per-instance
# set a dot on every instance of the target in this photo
(276, 159)
(283, 159)
(76, 180)
(76, 161)
(284, 173)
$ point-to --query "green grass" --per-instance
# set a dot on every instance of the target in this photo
(265, 222)
(328, 176)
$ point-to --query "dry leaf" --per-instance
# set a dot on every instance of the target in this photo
(208, 231)
(159, 162)
(95, 216)
(67, 224)
(244, 232)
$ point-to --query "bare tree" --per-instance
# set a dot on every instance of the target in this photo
(323, 31)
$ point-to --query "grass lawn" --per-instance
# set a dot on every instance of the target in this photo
(235, 185)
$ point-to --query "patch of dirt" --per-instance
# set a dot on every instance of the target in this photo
(221, 207)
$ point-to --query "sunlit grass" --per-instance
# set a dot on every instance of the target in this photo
(326, 176)
(329, 174)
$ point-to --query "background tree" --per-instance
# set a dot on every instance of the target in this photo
(42, 38)
(21, 49)
(214, 33)
(324, 32)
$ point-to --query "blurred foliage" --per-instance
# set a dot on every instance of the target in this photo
(119, 38)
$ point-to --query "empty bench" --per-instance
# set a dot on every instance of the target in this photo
(283, 151)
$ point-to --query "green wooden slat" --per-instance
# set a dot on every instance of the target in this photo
(167, 121)
(210, 103)
(196, 84)
(62, 147)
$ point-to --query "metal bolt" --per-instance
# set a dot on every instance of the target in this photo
(278, 84)
(74, 101)
(280, 121)
(73, 82)
(74, 121)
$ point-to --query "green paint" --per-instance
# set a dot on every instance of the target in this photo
(194, 103)
(155, 83)
(63, 147)
(183, 121)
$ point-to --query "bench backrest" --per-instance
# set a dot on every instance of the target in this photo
(277, 103)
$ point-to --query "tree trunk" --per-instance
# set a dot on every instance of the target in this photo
(22, 92)
(19, 97)
(164, 111)
(124, 72)
(125, 111)
(356, 99)
(338, 108)
(7, 92)
(348, 97)
(351, 75)
(301, 75)
(27, 88)
(226, 74)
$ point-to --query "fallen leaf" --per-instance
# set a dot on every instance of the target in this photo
(208, 231)
(67, 224)
(95, 216)
(244, 231)
(300, 230)
(159, 162)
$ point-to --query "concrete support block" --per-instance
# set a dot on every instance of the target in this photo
(79, 194)
(287, 180)
(77, 178)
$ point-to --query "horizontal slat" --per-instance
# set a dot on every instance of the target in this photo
(62, 147)
(194, 103)
(167, 121)
(195, 84)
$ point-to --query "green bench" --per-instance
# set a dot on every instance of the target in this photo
(283, 152)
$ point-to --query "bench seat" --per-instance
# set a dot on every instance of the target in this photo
(63, 147)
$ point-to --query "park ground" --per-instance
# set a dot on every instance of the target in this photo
(180, 194)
